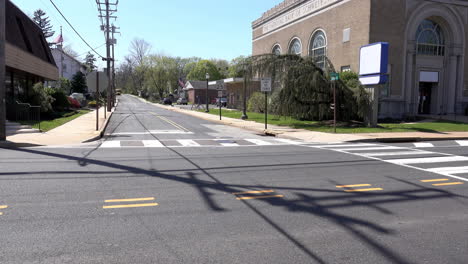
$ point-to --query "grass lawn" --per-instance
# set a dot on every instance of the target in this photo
(432, 127)
(59, 119)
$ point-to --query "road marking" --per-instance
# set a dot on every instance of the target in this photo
(229, 144)
(1, 213)
(451, 170)
(129, 200)
(351, 186)
(447, 184)
(259, 142)
(151, 132)
(152, 144)
(129, 206)
(260, 197)
(423, 145)
(188, 143)
(3, 206)
(345, 145)
(463, 143)
(253, 192)
(171, 122)
(428, 160)
(435, 180)
(369, 148)
(288, 141)
(402, 153)
(110, 144)
(365, 190)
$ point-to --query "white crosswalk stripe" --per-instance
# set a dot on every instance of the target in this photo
(368, 148)
(259, 142)
(424, 145)
(152, 144)
(110, 144)
(463, 143)
(428, 160)
(450, 170)
(400, 153)
(188, 143)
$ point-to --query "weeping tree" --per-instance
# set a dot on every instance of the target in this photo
(302, 90)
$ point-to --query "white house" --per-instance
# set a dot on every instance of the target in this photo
(69, 66)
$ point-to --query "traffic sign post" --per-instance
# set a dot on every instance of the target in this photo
(266, 87)
(334, 76)
(220, 95)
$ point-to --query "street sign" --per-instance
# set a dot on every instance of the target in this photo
(220, 93)
(335, 76)
(220, 85)
(265, 85)
(373, 63)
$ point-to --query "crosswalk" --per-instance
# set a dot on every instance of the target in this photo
(181, 143)
(453, 143)
(448, 165)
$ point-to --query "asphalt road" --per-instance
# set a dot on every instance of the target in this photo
(163, 187)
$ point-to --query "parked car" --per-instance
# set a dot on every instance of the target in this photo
(167, 101)
(118, 92)
(79, 97)
(182, 101)
(223, 102)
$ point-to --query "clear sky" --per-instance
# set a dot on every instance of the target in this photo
(204, 28)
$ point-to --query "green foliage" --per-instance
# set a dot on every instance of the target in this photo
(90, 62)
(63, 84)
(78, 83)
(42, 97)
(256, 103)
(61, 102)
(236, 68)
(198, 73)
(43, 22)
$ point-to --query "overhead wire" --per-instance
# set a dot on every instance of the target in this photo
(79, 35)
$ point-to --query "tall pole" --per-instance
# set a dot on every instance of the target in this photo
(207, 84)
(244, 108)
(334, 106)
(108, 57)
(97, 99)
(113, 68)
(2, 72)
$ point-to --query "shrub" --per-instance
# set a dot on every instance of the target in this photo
(256, 103)
(92, 104)
(61, 102)
(74, 103)
(40, 96)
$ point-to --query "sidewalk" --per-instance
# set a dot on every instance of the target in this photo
(77, 131)
(319, 137)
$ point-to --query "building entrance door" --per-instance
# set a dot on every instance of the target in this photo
(425, 97)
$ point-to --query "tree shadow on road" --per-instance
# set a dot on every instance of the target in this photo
(320, 203)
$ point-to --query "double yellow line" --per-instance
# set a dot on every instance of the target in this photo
(170, 122)
(350, 188)
(444, 182)
(3, 207)
(257, 197)
(129, 205)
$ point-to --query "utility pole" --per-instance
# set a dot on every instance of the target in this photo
(106, 13)
(114, 42)
(2, 72)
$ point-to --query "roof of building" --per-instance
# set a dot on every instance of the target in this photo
(23, 33)
(69, 56)
(278, 9)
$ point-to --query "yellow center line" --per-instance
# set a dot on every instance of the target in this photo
(171, 122)
(260, 197)
(365, 190)
(446, 184)
(3, 206)
(253, 192)
(1, 213)
(130, 200)
(435, 180)
(351, 186)
(129, 206)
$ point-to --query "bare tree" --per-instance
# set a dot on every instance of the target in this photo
(139, 49)
(70, 51)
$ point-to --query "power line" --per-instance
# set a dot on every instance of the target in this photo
(91, 50)
(75, 30)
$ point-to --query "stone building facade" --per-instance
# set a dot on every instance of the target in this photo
(427, 41)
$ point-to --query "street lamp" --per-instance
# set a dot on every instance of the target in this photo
(207, 103)
(244, 108)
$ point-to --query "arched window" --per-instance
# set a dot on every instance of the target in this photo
(276, 49)
(430, 39)
(318, 48)
(295, 47)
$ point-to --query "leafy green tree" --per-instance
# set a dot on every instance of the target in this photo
(223, 67)
(78, 83)
(236, 68)
(40, 96)
(198, 73)
(43, 22)
(90, 62)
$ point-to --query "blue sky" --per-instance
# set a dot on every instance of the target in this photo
(185, 28)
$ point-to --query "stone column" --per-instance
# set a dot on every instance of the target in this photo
(451, 90)
(409, 81)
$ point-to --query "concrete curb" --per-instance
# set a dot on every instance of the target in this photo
(103, 128)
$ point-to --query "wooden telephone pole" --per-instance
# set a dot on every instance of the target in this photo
(2, 72)
(106, 10)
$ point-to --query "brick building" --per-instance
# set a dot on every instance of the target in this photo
(427, 45)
